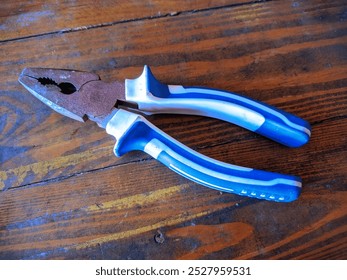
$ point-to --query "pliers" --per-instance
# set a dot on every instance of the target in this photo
(116, 107)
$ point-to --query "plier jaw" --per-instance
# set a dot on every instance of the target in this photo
(75, 94)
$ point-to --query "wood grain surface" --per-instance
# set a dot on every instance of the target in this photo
(64, 195)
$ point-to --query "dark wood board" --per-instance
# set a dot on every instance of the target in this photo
(64, 195)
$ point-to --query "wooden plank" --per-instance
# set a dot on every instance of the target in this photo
(219, 52)
(25, 19)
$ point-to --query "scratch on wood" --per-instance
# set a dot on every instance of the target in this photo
(41, 169)
(138, 199)
(338, 213)
(125, 234)
(212, 238)
(3, 177)
(316, 252)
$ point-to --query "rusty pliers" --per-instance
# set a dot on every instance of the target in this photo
(82, 96)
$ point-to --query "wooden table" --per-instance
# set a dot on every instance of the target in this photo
(65, 196)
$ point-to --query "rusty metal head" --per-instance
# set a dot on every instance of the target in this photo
(75, 94)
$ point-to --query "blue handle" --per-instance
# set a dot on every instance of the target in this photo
(133, 132)
(154, 97)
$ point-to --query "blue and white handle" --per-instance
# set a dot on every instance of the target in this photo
(153, 97)
(133, 132)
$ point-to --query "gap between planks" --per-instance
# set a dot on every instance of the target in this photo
(159, 16)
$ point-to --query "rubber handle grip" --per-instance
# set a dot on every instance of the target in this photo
(133, 132)
(154, 97)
